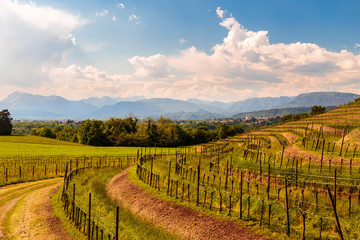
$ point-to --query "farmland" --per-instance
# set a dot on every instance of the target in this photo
(289, 181)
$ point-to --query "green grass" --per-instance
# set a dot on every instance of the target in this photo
(104, 209)
(30, 146)
(59, 213)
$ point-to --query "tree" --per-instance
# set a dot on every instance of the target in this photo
(315, 110)
(46, 132)
(91, 133)
(5, 122)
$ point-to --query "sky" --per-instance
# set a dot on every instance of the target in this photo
(213, 50)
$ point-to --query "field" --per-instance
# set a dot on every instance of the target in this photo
(290, 181)
(30, 146)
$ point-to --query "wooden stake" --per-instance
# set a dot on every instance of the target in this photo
(287, 209)
(335, 214)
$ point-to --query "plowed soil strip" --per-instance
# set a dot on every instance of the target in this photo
(180, 220)
(30, 215)
(294, 151)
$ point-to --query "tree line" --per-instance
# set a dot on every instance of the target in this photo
(315, 110)
(132, 132)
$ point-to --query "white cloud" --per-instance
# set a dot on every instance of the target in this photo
(113, 18)
(33, 38)
(120, 5)
(102, 13)
(245, 64)
(134, 18)
(220, 12)
(154, 66)
(182, 41)
(247, 60)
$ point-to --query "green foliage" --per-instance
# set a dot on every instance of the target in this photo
(293, 117)
(129, 132)
(91, 132)
(5, 122)
(46, 132)
(317, 109)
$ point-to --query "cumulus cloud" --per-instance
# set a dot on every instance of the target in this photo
(120, 5)
(102, 13)
(247, 60)
(182, 41)
(33, 38)
(245, 64)
(220, 12)
(134, 18)
(154, 66)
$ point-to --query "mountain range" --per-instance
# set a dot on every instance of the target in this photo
(36, 107)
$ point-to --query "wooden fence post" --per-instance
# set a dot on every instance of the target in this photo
(73, 203)
(198, 185)
(342, 142)
(151, 170)
(117, 224)
(335, 214)
(167, 192)
(241, 193)
(89, 223)
(303, 218)
(287, 209)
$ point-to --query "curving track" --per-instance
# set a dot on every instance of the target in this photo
(26, 211)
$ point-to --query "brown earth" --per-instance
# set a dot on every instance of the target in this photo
(30, 215)
(290, 137)
(293, 151)
(177, 219)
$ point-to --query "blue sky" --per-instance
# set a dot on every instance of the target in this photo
(214, 50)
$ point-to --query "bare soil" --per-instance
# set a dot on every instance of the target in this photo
(180, 220)
(293, 151)
(290, 137)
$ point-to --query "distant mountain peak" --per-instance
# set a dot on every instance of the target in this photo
(29, 106)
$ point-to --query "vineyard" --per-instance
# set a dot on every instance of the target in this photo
(300, 179)
(295, 180)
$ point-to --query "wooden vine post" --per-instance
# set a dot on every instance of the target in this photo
(168, 186)
(282, 154)
(322, 155)
(335, 189)
(73, 203)
(268, 184)
(151, 170)
(117, 224)
(336, 216)
(89, 223)
(241, 191)
(227, 174)
(198, 184)
(342, 142)
(287, 210)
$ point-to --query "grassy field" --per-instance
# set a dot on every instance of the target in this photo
(33, 146)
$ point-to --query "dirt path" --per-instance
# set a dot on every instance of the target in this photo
(180, 220)
(29, 215)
